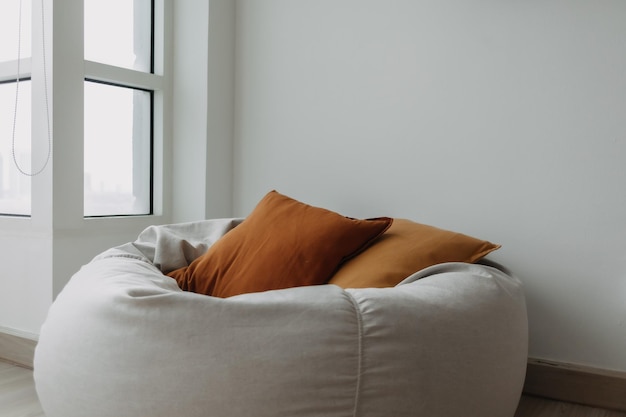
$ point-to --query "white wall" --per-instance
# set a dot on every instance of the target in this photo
(203, 77)
(26, 278)
(503, 120)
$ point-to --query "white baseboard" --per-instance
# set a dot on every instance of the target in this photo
(577, 384)
(17, 347)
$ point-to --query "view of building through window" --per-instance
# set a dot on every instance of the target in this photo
(14, 186)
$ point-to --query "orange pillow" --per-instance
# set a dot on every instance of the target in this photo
(283, 243)
(404, 249)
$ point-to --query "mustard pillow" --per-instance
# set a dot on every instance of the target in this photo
(405, 248)
(283, 243)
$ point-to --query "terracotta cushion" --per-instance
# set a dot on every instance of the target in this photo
(405, 248)
(283, 243)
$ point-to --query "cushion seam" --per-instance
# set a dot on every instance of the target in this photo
(359, 319)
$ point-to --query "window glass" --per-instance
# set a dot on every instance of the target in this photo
(118, 132)
(119, 33)
(9, 27)
(15, 31)
(14, 186)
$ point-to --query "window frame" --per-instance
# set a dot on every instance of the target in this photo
(63, 208)
(158, 83)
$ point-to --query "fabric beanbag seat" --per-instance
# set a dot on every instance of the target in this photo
(122, 339)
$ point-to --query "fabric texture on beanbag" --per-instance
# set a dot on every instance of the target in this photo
(283, 243)
(405, 248)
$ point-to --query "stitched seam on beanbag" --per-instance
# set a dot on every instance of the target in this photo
(123, 255)
(359, 319)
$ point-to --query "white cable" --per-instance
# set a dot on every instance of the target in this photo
(17, 91)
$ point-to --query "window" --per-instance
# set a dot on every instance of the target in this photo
(15, 122)
(105, 99)
(117, 154)
(14, 186)
(118, 104)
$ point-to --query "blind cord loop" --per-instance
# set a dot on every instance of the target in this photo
(17, 93)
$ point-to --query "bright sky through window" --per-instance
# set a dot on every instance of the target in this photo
(112, 36)
(9, 12)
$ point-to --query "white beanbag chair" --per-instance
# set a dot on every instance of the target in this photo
(122, 340)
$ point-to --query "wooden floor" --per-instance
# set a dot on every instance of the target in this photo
(17, 392)
(539, 407)
(19, 399)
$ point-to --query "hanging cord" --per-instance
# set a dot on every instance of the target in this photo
(17, 92)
